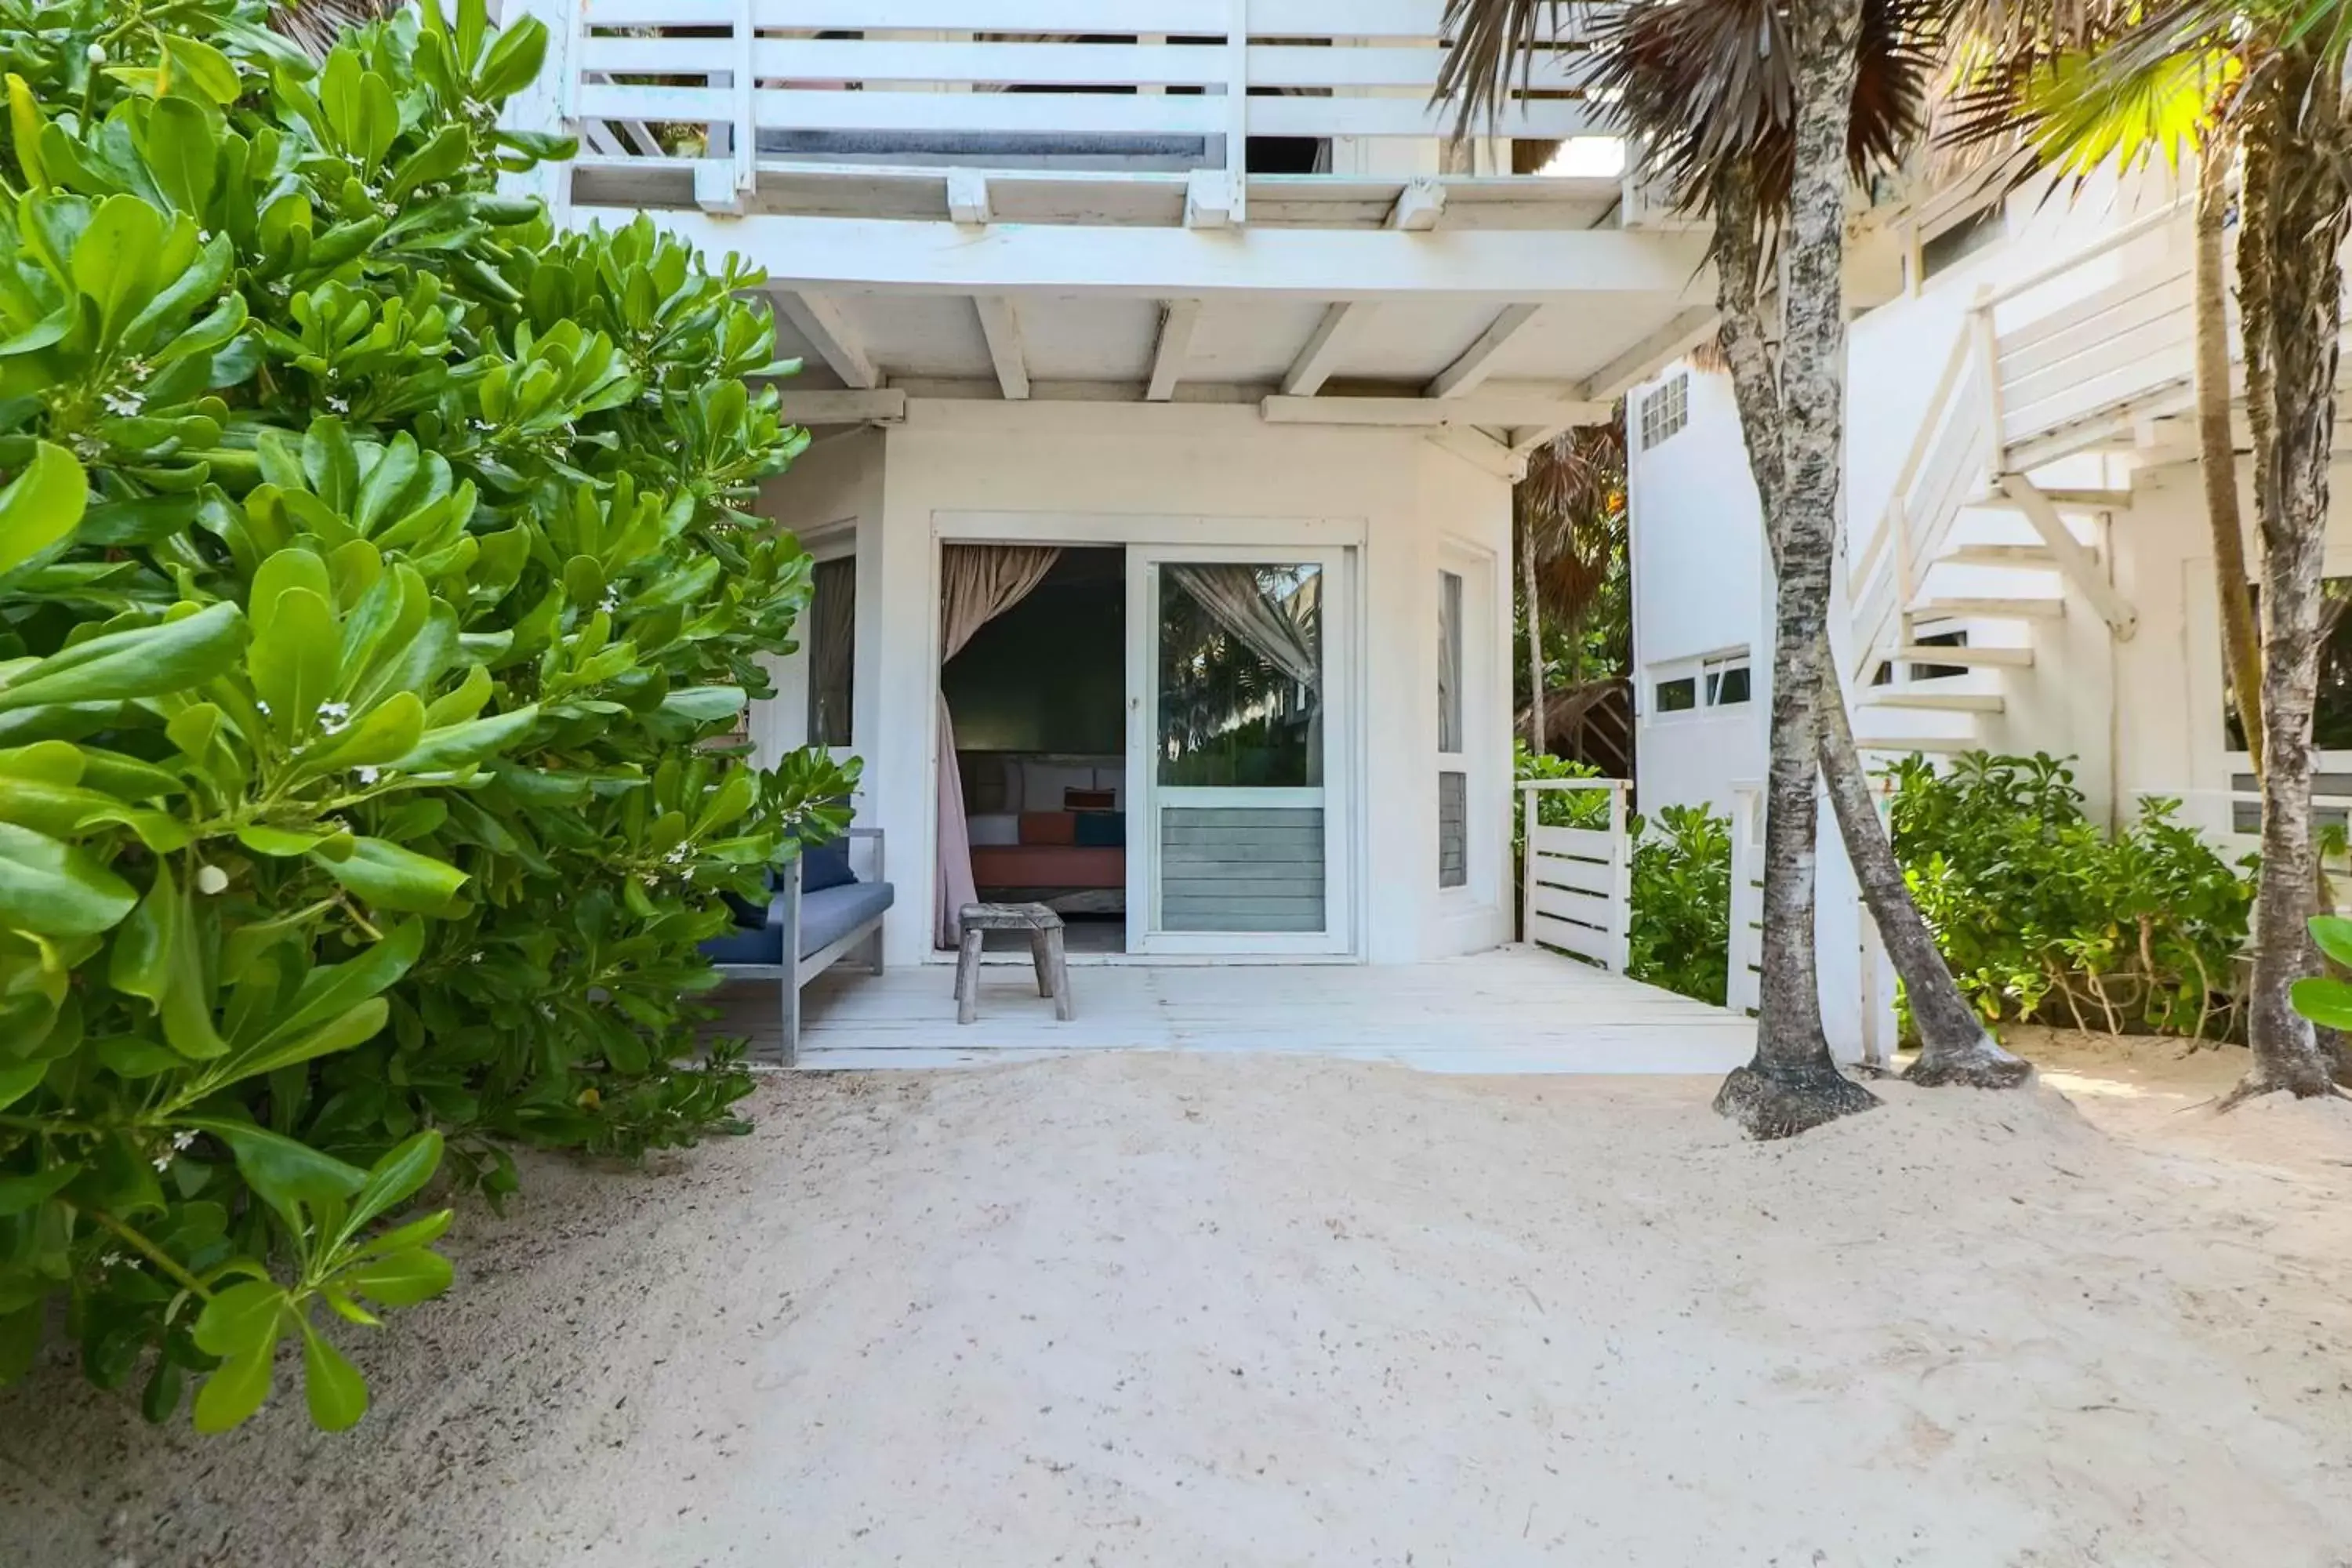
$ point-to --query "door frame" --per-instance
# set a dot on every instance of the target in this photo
(1341, 755)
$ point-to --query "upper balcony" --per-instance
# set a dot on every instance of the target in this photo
(1256, 199)
(1155, 112)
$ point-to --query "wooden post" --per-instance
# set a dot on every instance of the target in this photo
(1621, 890)
(1237, 39)
(1528, 866)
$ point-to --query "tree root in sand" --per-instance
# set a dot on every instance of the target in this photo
(1772, 1101)
(2257, 1083)
(1980, 1065)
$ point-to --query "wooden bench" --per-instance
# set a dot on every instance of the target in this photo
(805, 932)
(1045, 951)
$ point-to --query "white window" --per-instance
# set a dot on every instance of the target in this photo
(1449, 662)
(1665, 409)
(1697, 686)
(830, 636)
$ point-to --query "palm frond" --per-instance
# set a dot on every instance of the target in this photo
(314, 26)
(1494, 47)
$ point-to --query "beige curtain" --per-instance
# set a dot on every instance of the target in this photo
(978, 583)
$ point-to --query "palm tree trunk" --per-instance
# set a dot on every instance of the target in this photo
(1954, 1047)
(2302, 211)
(2218, 449)
(1539, 739)
(1792, 1083)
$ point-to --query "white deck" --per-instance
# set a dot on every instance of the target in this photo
(1516, 1010)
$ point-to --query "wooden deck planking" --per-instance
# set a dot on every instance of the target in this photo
(1516, 1010)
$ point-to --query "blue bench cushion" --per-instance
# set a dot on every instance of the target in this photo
(762, 943)
(832, 913)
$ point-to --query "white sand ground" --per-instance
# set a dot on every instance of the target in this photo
(1142, 1311)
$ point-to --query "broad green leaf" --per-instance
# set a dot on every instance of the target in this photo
(331, 1385)
(157, 955)
(704, 704)
(2327, 1002)
(25, 124)
(282, 1171)
(354, 1027)
(400, 1278)
(18, 1193)
(332, 991)
(200, 66)
(16, 1082)
(116, 260)
(281, 843)
(245, 1314)
(144, 661)
(380, 737)
(395, 1178)
(2334, 935)
(56, 890)
(392, 877)
(457, 745)
(230, 1396)
(41, 505)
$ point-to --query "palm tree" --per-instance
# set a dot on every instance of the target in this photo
(1804, 96)
(1569, 514)
(2269, 74)
(1711, 90)
(314, 26)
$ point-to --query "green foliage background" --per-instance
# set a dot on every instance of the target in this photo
(2046, 917)
(374, 591)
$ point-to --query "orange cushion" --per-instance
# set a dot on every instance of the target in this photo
(1048, 827)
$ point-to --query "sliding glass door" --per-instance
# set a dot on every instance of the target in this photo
(1240, 751)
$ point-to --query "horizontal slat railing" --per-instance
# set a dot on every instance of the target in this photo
(1157, 86)
(1577, 882)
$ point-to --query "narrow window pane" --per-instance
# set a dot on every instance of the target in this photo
(1679, 695)
(1240, 676)
(1449, 662)
(832, 639)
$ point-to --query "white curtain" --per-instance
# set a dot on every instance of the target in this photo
(978, 583)
(1237, 602)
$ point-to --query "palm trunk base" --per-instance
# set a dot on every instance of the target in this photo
(1982, 1064)
(2313, 1081)
(1770, 1101)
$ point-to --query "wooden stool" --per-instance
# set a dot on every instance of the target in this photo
(1045, 951)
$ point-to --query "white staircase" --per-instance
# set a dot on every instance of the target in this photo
(1997, 518)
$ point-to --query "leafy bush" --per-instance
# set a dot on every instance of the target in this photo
(374, 598)
(1680, 937)
(2044, 916)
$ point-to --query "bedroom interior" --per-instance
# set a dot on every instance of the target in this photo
(1038, 699)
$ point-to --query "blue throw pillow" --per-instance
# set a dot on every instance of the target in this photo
(825, 866)
(1102, 830)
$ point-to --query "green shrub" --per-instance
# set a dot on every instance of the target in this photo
(374, 600)
(1680, 937)
(2046, 917)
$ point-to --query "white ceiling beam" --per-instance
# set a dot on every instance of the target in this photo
(1482, 452)
(1178, 324)
(1000, 323)
(968, 199)
(1501, 266)
(1209, 199)
(884, 407)
(1342, 325)
(1465, 375)
(1686, 331)
(1512, 412)
(1419, 209)
(821, 321)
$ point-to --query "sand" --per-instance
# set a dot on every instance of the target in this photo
(1142, 1310)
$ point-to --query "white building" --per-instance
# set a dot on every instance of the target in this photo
(1197, 293)
(2028, 564)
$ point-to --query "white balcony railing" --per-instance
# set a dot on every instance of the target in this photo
(1142, 86)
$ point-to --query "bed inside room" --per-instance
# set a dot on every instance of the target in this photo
(1038, 699)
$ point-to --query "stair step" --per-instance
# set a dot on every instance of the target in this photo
(1940, 701)
(1904, 744)
(2081, 501)
(1966, 657)
(1991, 609)
(1997, 555)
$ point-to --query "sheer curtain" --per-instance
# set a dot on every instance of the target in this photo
(1278, 631)
(978, 583)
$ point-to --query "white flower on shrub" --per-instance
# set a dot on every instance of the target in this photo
(334, 718)
(211, 879)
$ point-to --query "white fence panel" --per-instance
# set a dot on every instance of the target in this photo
(1579, 881)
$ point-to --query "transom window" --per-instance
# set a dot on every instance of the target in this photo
(1699, 685)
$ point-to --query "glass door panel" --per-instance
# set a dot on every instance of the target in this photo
(1239, 744)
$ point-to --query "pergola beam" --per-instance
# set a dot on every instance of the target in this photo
(1465, 374)
(1000, 323)
(1178, 324)
(1502, 412)
(1342, 325)
(820, 320)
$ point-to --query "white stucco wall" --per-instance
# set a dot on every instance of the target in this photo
(1175, 474)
